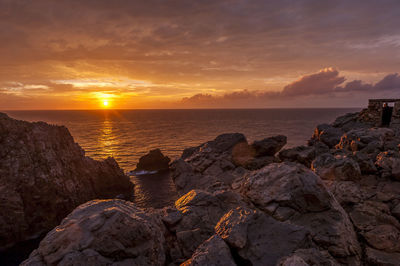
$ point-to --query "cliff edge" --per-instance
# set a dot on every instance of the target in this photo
(44, 175)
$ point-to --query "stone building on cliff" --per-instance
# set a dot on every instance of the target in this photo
(382, 112)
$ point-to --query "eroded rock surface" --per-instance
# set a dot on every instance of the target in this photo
(222, 161)
(44, 175)
(333, 202)
(103, 232)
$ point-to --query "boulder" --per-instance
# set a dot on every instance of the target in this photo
(301, 154)
(103, 232)
(291, 192)
(384, 237)
(258, 239)
(310, 256)
(396, 211)
(389, 163)
(153, 161)
(214, 251)
(44, 175)
(210, 164)
(350, 121)
(269, 146)
(381, 258)
(200, 211)
(346, 192)
(358, 139)
(339, 167)
(365, 162)
(327, 134)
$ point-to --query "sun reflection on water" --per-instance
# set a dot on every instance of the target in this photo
(107, 140)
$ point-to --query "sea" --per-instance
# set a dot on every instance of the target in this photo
(127, 135)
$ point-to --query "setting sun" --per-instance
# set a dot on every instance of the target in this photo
(105, 103)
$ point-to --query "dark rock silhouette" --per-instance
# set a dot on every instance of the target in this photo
(269, 146)
(44, 175)
(153, 161)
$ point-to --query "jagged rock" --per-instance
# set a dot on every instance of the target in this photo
(381, 258)
(200, 212)
(389, 162)
(396, 211)
(327, 134)
(214, 251)
(339, 167)
(350, 121)
(259, 239)
(369, 214)
(269, 146)
(153, 161)
(359, 138)
(301, 154)
(260, 162)
(384, 237)
(366, 164)
(293, 189)
(309, 256)
(212, 163)
(375, 224)
(346, 192)
(103, 232)
(44, 175)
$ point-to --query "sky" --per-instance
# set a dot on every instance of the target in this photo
(91, 54)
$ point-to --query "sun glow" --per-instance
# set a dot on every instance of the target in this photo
(105, 103)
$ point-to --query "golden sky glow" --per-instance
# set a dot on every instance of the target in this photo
(197, 54)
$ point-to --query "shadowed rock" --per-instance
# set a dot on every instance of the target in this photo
(259, 239)
(327, 134)
(153, 161)
(269, 146)
(44, 175)
(214, 251)
(103, 232)
(291, 192)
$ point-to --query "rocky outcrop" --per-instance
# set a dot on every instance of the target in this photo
(44, 175)
(291, 192)
(222, 161)
(269, 146)
(327, 134)
(153, 161)
(103, 232)
(214, 251)
(251, 233)
(333, 202)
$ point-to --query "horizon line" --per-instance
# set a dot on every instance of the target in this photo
(127, 109)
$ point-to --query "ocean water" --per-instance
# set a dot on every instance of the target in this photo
(129, 134)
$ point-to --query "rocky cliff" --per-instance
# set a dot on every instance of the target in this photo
(44, 175)
(335, 201)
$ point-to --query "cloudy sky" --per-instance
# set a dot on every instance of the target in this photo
(69, 54)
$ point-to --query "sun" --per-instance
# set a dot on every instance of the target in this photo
(105, 103)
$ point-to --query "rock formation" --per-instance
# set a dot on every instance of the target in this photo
(153, 161)
(44, 175)
(103, 232)
(333, 202)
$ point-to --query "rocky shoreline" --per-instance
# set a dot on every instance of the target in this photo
(335, 201)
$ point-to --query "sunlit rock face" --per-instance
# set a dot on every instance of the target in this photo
(223, 161)
(44, 175)
(103, 232)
